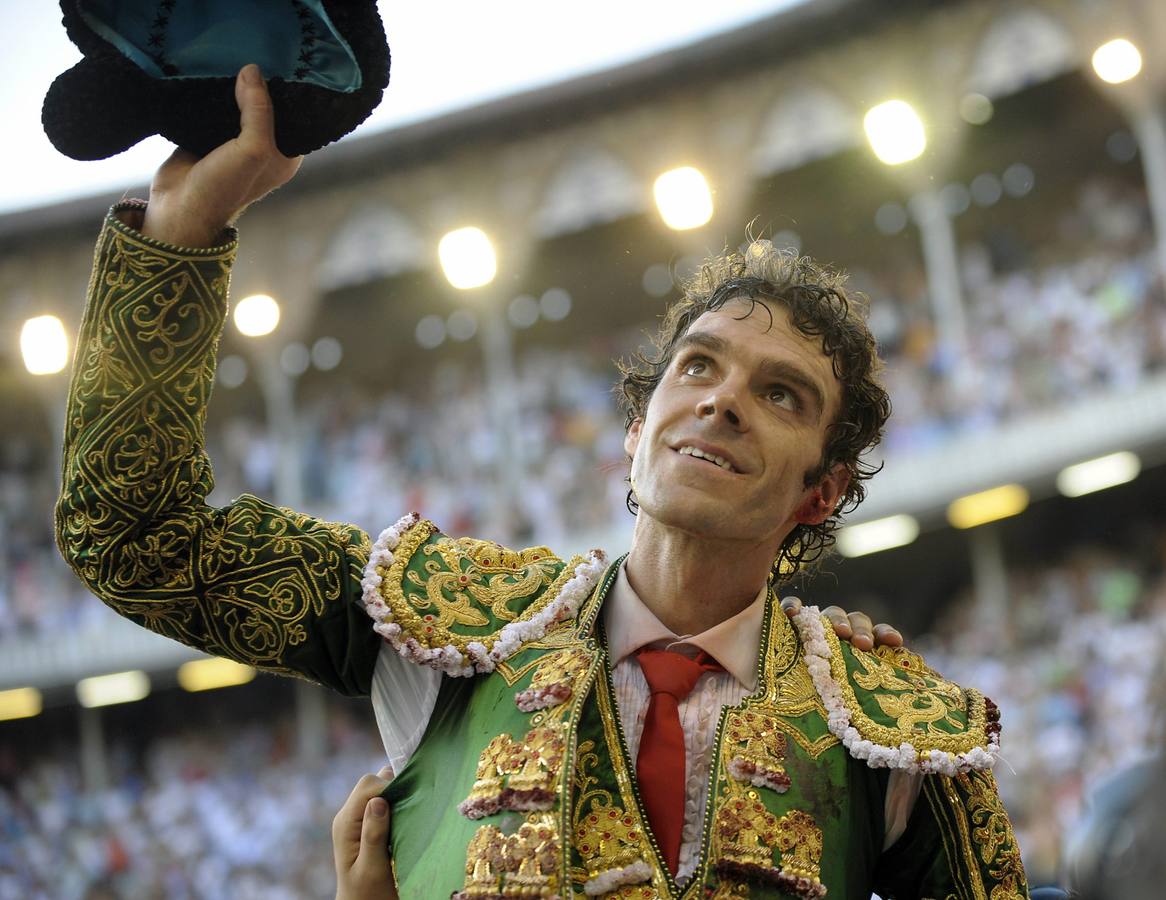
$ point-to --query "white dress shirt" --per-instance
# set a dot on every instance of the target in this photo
(404, 695)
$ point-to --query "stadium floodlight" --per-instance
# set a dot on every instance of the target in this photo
(683, 198)
(257, 315)
(208, 674)
(43, 345)
(1117, 61)
(467, 258)
(118, 687)
(20, 703)
(895, 132)
(1097, 474)
(987, 506)
(877, 535)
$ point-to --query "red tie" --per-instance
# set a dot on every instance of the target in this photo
(660, 764)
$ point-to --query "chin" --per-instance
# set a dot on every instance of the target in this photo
(709, 518)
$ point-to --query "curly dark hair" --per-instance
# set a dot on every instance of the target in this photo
(819, 306)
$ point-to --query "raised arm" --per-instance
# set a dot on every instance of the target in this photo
(251, 581)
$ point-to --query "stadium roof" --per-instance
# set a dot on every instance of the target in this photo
(802, 29)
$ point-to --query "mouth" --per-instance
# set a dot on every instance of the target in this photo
(718, 461)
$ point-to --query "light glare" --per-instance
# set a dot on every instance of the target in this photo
(43, 345)
(683, 198)
(1117, 61)
(119, 687)
(467, 258)
(987, 506)
(895, 132)
(879, 534)
(208, 674)
(257, 315)
(20, 703)
(1098, 474)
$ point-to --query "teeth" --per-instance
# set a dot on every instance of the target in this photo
(711, 457)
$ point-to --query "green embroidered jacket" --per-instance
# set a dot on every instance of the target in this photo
(521, 786)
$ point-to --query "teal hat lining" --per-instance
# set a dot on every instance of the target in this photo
(169, 39)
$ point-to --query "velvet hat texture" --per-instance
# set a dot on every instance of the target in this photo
(168, 67)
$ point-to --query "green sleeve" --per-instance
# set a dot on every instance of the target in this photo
(958, 846)
(250, 581)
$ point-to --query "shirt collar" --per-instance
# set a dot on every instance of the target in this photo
(735, 643)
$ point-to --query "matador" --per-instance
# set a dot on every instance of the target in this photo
(509, 684)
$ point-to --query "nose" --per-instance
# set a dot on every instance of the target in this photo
(723, 403)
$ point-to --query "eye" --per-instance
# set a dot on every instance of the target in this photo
(697, 366)
(779, 396)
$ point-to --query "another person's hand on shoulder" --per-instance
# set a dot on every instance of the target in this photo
(855, 627)
(192, 200)
(360, 842)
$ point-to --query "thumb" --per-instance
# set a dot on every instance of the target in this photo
(374, 833)
(256, 115)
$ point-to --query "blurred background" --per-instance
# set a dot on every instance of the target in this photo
(426, 319)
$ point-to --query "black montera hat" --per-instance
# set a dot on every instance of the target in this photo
(168, 67)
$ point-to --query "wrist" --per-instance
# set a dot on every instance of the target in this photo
(178, 228)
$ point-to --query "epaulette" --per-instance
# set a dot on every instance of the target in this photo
(889, 708)
(463, 605)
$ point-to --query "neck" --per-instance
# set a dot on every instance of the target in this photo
(692, 583)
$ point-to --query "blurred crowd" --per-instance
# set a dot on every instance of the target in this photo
(1077, 670)
(216, 813)
(230, 812)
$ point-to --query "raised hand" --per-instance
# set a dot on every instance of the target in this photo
(854, 627)
(192, 200)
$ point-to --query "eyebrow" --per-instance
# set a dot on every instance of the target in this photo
(778, 369)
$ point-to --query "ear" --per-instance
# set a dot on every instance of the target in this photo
(822, 499)
(631, 439)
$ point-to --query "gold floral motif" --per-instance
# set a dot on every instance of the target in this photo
(494, 578)
(763, 756)
(608, 831)
(747, 836)
(458, 589)
(992, 834)
(917, 711)
(520, 865)
(245, 581)
(730, 890)
(746, 831)
(555, 678)
(608, 838)
(517, 774)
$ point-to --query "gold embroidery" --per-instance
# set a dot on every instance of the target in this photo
(916, 711)
(244, 581)
(611, 828)
(608, 838)
(558, 637)
(521, 865)
(555, 679)
(963, 844)
(747, 835)
(517, 775)
(761, 760)
(789, 690)
(448, 594)
(992, 833)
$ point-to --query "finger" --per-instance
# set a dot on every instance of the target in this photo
(256, 115)
(887, 636)
(837, 617)
(791, 606)
(862, 630)
(348, 822)
(374, 835)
